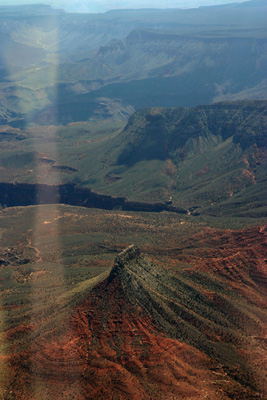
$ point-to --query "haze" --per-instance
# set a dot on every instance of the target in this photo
(105, 5)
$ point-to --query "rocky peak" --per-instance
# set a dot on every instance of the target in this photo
(130, 254)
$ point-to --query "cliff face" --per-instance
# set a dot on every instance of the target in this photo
(207, 158)
(180, 130)
(20, 194)
(199, 157)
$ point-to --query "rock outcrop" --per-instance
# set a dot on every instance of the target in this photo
(127, 256)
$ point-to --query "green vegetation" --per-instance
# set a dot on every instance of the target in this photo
(208, 159)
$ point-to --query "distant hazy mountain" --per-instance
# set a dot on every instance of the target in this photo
(71, 67)
(85, 6)
(104, 5)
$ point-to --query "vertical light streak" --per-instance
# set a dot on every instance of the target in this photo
(45, 302)
(3, 352)
(4, 345)
(48, 358)
(47, 310)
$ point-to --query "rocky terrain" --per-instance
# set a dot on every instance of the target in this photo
(144, 331)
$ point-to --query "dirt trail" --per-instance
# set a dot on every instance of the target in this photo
(38, 253)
